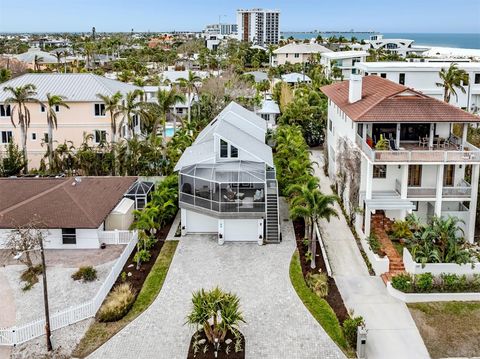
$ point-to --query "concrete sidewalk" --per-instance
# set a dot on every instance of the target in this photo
(7, 312)
(392, 333)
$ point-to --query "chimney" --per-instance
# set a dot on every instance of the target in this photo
(355, 88)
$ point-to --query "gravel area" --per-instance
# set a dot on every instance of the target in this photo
(64, 291)
(64, 342)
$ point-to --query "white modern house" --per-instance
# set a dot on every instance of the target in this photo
(269, 111)
(422, 167)
(227, 180)
(424, 76)
(401, 47)
(343, 60)
(294, 53)
(75, 213)
(295, 78)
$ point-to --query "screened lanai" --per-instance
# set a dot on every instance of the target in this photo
(237, 186)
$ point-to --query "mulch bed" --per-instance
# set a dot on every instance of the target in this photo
(137, 278)
(334, 298)
(210, 354)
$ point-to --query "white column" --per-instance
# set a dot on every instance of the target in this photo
(473, 203)
(368, 218)
(368, 179)
(397, 138)
(430, 138)
(439, 189)
(404, 187)
(464, 134)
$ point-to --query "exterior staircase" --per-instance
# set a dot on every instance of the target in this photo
(380, 225)
(272, 221)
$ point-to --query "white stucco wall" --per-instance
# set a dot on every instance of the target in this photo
(86, 238)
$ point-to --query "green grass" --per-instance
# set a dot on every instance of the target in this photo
(317, 306)
(99, 333)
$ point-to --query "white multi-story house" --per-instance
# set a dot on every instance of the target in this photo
(258, 26)
(423, 167)
(220, 29)
(424, 76)
(297, 53)
(343, 60)
(401, 47)
(227, 180)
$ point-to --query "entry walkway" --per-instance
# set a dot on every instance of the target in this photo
(277, 323)
(392, 333)
(7, 312)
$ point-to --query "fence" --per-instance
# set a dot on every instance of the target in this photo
(115, 237)
(21, 334)
(324, 251)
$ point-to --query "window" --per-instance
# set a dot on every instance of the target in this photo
(5, 110)
(383, 75)
(45, 137)
(297, 56)
(99, 109)
(180, 111)
(100, 136)
(448, 175)
(416, 206)
(34, 136)
(401, 79)
(42, 108)
(6, 136)
(286, 55)
(359, 129)
(57, 109)
(415, 175)
(69, 236)
(380, 171)
(233, 152)
(477, 78)
(330, 125)
(223, 149)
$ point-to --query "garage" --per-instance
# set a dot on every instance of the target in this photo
(241, 230)
(199, 223)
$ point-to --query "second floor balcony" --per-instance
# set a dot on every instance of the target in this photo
(461, 189)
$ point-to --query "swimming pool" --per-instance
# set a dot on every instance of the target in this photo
(169, 132)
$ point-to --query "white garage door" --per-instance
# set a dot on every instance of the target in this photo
(199, 223)
(241, 230)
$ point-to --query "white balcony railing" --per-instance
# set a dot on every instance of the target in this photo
(461, 190)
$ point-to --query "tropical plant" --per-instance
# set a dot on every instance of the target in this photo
(130, 109)
(350, 328)
(13, 162)
(117, 304)
(318, 283)
(190, 87)
(382, 144)
(53, 103)
(19, 98)
(217, 312)
(87, 274)
(452, 79)
(401, 230)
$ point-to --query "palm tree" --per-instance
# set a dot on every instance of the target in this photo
(37, 60)
(130, 108)
(19, 98)
(311, 205)
(59, 55)
(53, 102)
(113, 107)
(452, 79)
(189, 86)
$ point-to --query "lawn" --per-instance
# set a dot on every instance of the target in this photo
(317, 306)
(449, 329)
(99, 333)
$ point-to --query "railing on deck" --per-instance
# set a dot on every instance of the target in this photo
(461, 190)
(20, 334)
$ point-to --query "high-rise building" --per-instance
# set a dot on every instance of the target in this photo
(259, 26)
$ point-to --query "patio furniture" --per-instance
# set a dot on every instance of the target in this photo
(423, 141)
(393, 144)
(441, 142)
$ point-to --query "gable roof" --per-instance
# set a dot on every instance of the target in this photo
(237, 125)
(295, 77)
(60, 202)
(386, 101)
(302, 48)
(75, 87)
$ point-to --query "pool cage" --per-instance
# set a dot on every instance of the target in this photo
(140, 193)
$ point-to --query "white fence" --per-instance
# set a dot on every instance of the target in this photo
(436, 269)
(21, 334)
(115, 237)
(324, 251)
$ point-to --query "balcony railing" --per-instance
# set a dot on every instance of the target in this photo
(236, 206)
(437, 155)
(461, 190)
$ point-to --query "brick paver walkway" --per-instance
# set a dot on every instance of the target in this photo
(277, 325)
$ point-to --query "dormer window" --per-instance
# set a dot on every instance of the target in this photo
(233, 152)
(223, 149)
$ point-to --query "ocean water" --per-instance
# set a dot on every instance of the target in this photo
(467, 41)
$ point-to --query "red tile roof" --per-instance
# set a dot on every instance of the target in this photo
(386, 101)
(60, 202)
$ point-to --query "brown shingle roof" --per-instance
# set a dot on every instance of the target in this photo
(58, 202)
(386, 101)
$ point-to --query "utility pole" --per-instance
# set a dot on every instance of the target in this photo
(45, 299)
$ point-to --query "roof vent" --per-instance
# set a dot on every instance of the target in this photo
(355, 88)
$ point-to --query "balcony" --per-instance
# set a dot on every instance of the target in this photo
(413, 153)
(461, 190)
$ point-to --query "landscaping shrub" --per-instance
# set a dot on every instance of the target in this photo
(424, 282)
(142, 256)
(117, 304)
(87, 274)
(452, 283)
(350, 328)
(401, 230)
(374, 244)
(403, 283)
(318, 283)
(30, 276)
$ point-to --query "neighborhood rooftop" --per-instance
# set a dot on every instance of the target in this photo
(75, 87)
(82, 202)
(385, 101)
(301, 49)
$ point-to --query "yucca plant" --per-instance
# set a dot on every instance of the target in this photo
(217, 312)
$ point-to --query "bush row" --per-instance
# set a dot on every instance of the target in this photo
(427, 283)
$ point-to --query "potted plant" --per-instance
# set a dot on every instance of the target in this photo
(216, 316)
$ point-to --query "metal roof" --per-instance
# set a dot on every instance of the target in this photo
(42, 56)
(75, 87)
(301, 49)
(269, 106)
(295, 77)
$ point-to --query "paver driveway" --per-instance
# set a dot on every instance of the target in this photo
(278, 325)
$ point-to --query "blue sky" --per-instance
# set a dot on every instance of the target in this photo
(460, 16)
